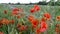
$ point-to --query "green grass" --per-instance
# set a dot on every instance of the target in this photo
(53, 10)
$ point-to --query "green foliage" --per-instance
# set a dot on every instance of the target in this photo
(53, 10)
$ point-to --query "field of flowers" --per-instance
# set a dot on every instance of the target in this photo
(29, 19)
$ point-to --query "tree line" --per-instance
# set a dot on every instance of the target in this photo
(41, 3)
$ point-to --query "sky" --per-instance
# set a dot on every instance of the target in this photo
(22, 1)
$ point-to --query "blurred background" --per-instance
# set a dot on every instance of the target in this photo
(28, 2)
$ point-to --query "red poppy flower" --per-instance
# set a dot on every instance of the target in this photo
(37, 30)
(36, 7)
(15, 9)
(5, 11)
(12, 21)
(1, 32)
(30, 17)
(18, 16)
(57, 29)
(0, 21)
(42, 29)
(43, 26)
(22, 27)
(57, 25)
(57, 17)
(4, 21)
(47, 15)
(42, 19)
(32, 10)
(0, 24)
(14, 12)
(34, 22)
